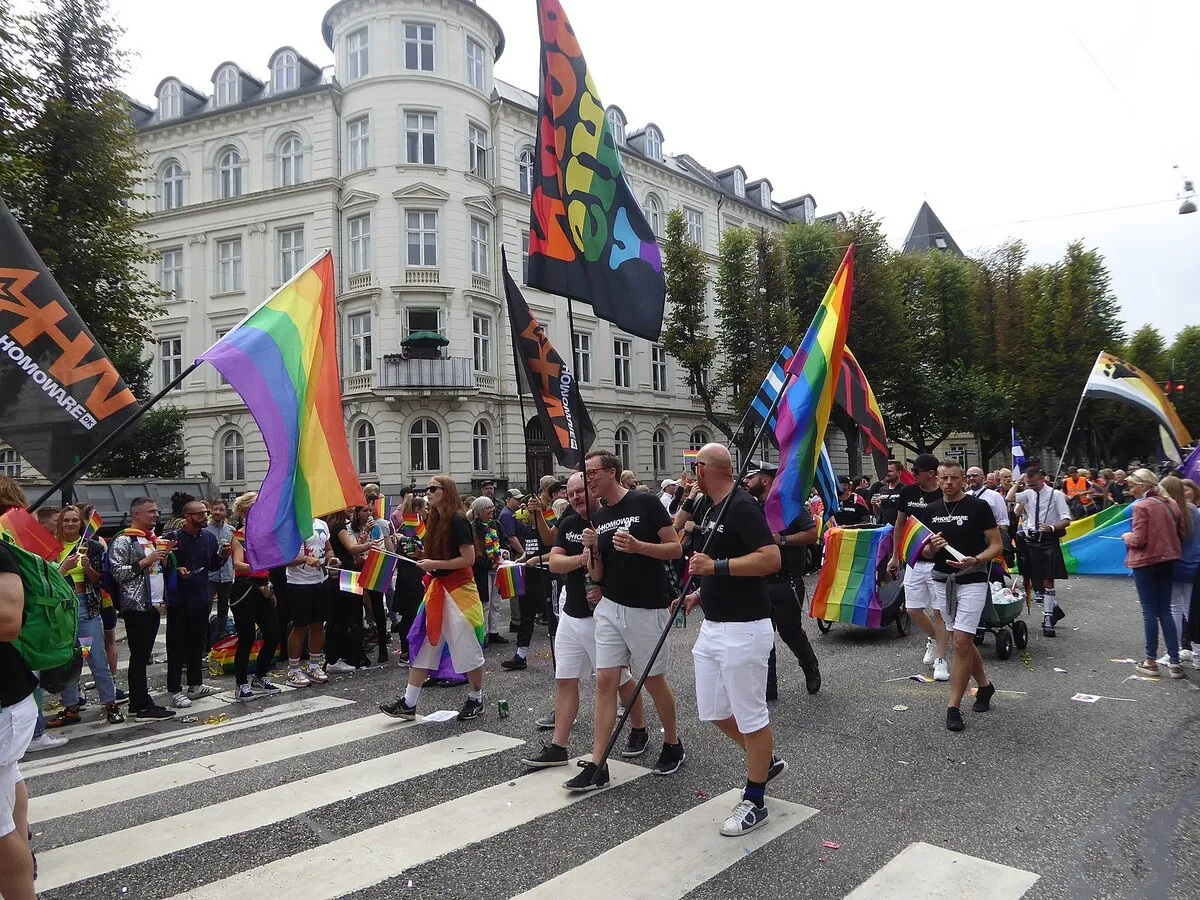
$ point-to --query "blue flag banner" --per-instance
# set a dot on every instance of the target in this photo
(770, 389)
(1018, 454)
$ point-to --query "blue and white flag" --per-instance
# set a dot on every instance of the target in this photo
(826, 483)
(1018, 455)
(771, 386)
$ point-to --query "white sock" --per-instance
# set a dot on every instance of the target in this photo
(522, 652)
(412, 694)
(476, 695)
(1050, 600)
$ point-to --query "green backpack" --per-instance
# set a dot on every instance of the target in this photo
(49, 637)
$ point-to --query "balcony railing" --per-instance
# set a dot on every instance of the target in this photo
(481, 283)
(485, 382)
(358, 384)
(422, 275)
(360, 281)
(427, 374)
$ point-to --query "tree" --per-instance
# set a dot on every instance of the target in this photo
(1148, 351)
(74, 176)
(813, 255)
(686, 335)
(1185, 370)
(737, 293)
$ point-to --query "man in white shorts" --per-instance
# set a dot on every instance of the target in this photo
(960, 585)
(575, 639)
(18, 715)
(731, 654)
(916, 501)
(630, 541)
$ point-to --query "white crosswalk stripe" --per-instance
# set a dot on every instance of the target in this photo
(944, 875)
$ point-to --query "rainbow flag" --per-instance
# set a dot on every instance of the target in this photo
(349, 582)
(510, 581)
(412, 526)
(1093, 546)
(282, 360)
(378, 571)
(453, 594)
(26, 532)
(846, 589)
(689, 457)
(550, 516)
(807, 400)
(913, 538)
(379, 508)
(91, 529)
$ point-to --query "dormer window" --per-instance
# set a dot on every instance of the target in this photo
(810, 209)
(283, 73)
(654, 144)
(169, 101)
(616, 122)
(739, 182)
(227, 86)
(764, 195)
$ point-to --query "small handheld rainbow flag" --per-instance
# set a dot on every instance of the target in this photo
(413, 527)
(846, 590)
(550, 516)
(26, 532)
(348, 582)
(510, 581)
(689, 457)
(378, 571)
(913, 538)
(379, 508)
(91, 529)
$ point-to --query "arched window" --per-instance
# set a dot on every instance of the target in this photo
(291, 161)
(660, 451)
(482, 446)
(283, 74)
(227, 86)
(364, 445)
(652, 209)
(622, 446)
(425, 445)
(616, 122)
(525, 171)
(229, 173)
(698, 439)
(233, 457)
(169, 101)
(10, 463)
(171, 195)
(739, 183)
(654, 144)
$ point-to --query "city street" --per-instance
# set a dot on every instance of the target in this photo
(1081, 800)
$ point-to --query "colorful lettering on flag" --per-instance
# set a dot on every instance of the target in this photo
(510, 580)
(808, 399)
(282, 360)
(588, 237)
(378, 571)
(1118, 380)
(349, 582)
(847, 589)
(914, 535)
(25, 531)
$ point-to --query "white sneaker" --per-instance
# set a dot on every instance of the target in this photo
(316, 674)
(341, 667)
(200, 690)
(930, 652)
(745, 817)
(47, 741)
(181, 701)
(941, 671)
(1165, 659)
(1186, 656)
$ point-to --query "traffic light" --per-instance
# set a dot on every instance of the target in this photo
(1173, 387)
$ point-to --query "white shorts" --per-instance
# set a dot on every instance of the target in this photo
(918, 586)
(16, 731)
(731, 672)
(969, 601)
(626, 636)
(459, 636)
(575, 649)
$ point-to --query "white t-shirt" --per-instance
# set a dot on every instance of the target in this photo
(154, 572)
(313, 546)
(1044, 507)
(996, 502)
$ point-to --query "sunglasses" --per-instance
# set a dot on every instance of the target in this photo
(432, 489)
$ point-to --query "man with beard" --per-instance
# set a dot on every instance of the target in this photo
(785, 588)
(885, 502)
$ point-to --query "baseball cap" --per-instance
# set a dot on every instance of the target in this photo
(758, 467)
(926, 462)
(515, 493)
(668, 482)
(844, 479)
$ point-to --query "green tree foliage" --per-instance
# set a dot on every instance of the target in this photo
(813, 255)
(71, 174)
(1148, 351)
(1185, 369)
(737, 299)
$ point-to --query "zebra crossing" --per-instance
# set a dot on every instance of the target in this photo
(164, 819)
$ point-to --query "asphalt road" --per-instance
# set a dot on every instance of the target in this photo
(1099, 800)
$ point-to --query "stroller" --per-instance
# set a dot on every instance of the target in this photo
(1001, 617)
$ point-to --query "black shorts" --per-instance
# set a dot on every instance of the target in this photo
(108, 615)
(308, 604)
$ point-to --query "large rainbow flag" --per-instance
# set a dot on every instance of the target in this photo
(846, 590)
(1093, 546)
(808, 399)
(282, 360)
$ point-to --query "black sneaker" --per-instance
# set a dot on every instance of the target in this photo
(153, 711)
(1058, 614)
(113, 714)
(635, 744)
(669, 760)
(497, 638)
(122, 697)
(983, 698)
(470, 710)
(551, 755)
(515, 664)
(1048, 627)
(778, 767)
(954, 720)
(812, 680)
(590, 778)
(545, 723)
(399, 709)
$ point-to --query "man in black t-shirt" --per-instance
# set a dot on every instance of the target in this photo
(916, 501)
(966, 525)
(630, 542)
(885, 498)
(852, 508)
(575, 639)
(730, 655)
(786, 587)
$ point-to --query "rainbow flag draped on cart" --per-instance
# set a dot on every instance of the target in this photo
(847, 590)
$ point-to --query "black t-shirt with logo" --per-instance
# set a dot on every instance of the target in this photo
(889, 502)
(963, 524)
(632, 579)
(916, 502)
(16, 681)
(850, 510)
(743, 529)
(570, 539)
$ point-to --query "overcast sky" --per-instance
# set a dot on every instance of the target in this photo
(1011, 120)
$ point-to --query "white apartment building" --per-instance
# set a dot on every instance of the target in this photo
(415, 164)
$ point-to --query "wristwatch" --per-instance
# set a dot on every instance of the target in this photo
(782, 539)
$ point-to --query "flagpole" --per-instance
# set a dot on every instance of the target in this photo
(587, 492)
(788, 375)
(1067, 443)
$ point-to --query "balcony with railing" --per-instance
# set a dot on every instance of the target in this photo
(359, 383)
(399, 375)
(481, 283)
(422, 275)
(360, 281)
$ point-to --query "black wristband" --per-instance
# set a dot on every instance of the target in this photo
(689, 505)
(721, 567)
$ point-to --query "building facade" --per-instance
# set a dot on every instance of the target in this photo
(414, 164)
